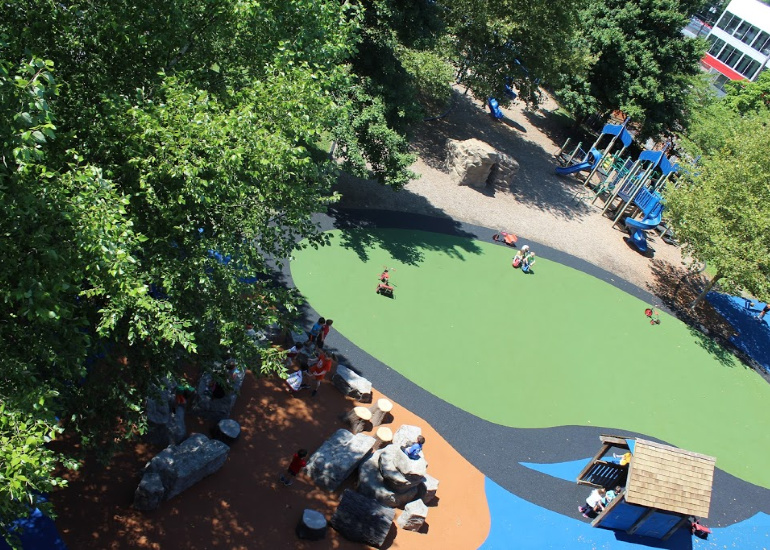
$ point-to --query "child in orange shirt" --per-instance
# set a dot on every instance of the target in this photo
(320, 369)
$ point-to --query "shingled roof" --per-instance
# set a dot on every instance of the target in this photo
(667, 478)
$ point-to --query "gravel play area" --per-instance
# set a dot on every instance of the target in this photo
(539, 204)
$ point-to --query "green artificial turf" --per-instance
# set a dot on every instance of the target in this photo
(558, 347)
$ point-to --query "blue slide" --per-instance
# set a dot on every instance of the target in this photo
(594, 156)
(574, 168)
(637, 227)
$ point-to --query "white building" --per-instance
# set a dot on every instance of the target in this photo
(739, 43)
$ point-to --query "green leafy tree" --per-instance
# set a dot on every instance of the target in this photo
(523, 41)
(402, 60)
(721, 213)
(639, 62)
(146, 191)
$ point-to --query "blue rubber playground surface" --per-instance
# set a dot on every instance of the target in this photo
(753, 336)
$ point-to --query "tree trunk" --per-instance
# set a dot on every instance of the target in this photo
(705, 291)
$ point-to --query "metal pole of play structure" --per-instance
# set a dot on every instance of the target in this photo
(610, 172)
(604, 153)
(563, 147)
(642, 182)
(569, 160)
(618, 186)
(593, 147)
(661, 182)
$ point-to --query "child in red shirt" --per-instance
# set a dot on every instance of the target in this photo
(297, 463)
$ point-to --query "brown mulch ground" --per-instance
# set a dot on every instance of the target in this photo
(244, 505)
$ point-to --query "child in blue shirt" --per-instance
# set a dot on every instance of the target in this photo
(413, 451)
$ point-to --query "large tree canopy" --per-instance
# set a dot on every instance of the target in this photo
(516, 39)
(721, 213)
(639, 62)
(155, 158)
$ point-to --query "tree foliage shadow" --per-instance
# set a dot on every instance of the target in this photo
(753, 336)
(230, 509)
(677, 287)
(554, 124)
(535, 184)
(425, 233)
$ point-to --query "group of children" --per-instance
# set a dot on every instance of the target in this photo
(524, 259)
(316, 368)
(314, 363)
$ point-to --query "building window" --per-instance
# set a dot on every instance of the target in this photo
(733, 24)
(716, 45)
(719, 82)
(750, 67)
(762, 43)
(741, 30)
(750, 35)
(727, 53)
(724, 20)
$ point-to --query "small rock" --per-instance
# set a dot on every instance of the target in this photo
(413, 516)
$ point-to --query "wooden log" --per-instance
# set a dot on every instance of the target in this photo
(362, 519)
(384, 437)
(380, 409)
(358, 419)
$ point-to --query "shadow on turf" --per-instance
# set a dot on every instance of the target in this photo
(410, 249)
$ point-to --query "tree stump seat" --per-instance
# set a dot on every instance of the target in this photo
(358, 419)
(312, 525)
(380, 411)
(384, 437)
(227, 431)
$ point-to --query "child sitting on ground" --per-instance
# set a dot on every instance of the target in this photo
(413, 450)
(519, 257)
(528, 262)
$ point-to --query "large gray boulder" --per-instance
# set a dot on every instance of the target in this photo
(372, 484)
(337, 457)
(406, 435)
(395, 479)
(411, 467)
(150, 492)
(182, 466)
(477, 164)
(212, 408)
(352, 384)
(362, 519)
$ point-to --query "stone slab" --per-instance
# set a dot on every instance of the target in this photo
(337, 457)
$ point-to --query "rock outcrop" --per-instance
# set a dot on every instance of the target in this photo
(477, 164)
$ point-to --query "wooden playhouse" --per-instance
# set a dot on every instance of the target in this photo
(663, 486)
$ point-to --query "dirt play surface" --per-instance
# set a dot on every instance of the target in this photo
(244, 505)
